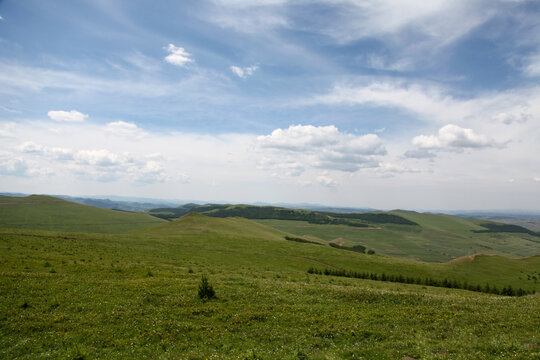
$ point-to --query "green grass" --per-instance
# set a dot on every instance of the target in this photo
(48, 213)
(438, 238)
(67, 296)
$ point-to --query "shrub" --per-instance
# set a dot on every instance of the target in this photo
(206, 291)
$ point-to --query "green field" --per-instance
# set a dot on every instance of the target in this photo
(134, 295)
(40, 212)
(438, 238)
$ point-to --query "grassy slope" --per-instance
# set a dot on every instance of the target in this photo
(132, 296)
(439, 238)
(48, 213)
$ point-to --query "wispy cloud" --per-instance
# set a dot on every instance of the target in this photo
(142, 62)
(532, 66)
(244, 72)
(435, 103)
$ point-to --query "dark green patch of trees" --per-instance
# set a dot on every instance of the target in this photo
(378, 218)
(355, 248)
(279, 213)
(300, 240)
(508, 228)
(451, 284)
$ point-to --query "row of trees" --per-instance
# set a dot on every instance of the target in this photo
(452, 284)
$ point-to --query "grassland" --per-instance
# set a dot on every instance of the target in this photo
(437, 238)
(406, 234)
(134, 295)
(48, 213)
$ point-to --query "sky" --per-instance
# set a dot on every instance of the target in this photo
(408, 104)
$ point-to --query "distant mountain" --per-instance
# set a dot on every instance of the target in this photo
(496, 214)
(111, 202)
(114, 204)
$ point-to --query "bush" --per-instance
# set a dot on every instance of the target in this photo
(206, 291)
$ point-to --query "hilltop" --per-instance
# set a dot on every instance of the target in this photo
(41, 212)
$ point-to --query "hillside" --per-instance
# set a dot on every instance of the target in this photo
(49, 213)
(435, 237)
(135, 296)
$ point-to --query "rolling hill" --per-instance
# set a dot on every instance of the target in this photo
(404, 234)
(134, 295)
(49, 213)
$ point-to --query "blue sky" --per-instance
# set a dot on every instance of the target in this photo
(409, 104)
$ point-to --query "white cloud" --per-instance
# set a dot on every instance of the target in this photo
(177, 56)
(536, 178)
(532, 67)
(453, 136)
(100, 165)
(244, 72)
(511, 180)
(325, 181)
(1, 18)
(150, 172)
(100, 157)
(60, 153)
(14, 166)
(31, 147)
(66, 116)
(17, 166)
(321, 147)
(125, 129)
(388, 169)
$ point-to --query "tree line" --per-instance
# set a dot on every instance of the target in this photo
(451, 284)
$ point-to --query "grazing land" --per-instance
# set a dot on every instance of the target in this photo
(135, 295)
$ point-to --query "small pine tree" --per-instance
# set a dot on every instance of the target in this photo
(206, 291)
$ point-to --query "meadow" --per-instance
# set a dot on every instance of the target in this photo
(130, 290)
(134, 295)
